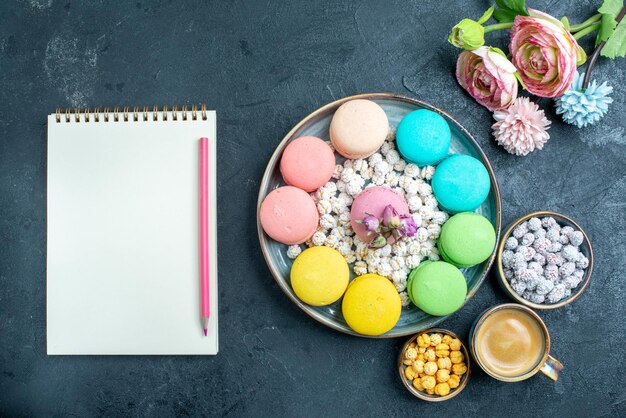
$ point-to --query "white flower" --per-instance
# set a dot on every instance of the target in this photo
(360, 165)
(392, 157)
(413, 248)
(399, 276)
(341, 186)
(428, 172)
(344, 217)
(372, 259)
(398, 263)
(354, 187)
(378, 179)
(384, 269)
(411, 187)
(382, 168)
(426, 212)
(360, 268)
(361, 250)
(375, 159)
(323, 194)
(400, 165)
(348, 164)
(430, 201)
(404, 299)
(392, 179)
(400, 287)
(417, 217)
(415, 202)
(425, 189)
(412, 170)
(293, 251)
(324, 207)
(386, 147)
(384, 251)
(328, 221)
(434, 230)
(330, 187)
(413, 261)
(318, 238)
(367, 174)
(337, 171)
(439, 217)
(331, 241)
(399, 248)
(338, 231)
(345, 249)
(422, 234)
(433, 255)
(347, 175)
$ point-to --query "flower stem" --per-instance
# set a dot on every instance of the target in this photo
(593, 19)
(586, 31)
(498, 26)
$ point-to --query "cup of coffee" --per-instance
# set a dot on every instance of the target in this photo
(510, 342)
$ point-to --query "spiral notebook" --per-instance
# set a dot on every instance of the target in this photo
(123, 237)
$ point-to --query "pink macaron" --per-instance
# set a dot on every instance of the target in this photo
(307, 163)
(373, 201)
(289, 215)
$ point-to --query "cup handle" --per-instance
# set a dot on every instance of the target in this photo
(551, 368)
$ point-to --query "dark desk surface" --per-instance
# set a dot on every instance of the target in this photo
(264, 66)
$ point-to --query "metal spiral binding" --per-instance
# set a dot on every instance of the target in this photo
(124, 115)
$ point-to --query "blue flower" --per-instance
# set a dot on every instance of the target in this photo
(582, 107)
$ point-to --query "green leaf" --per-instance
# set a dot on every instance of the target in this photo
(611, 7)
(504, 16)
(485, 17)
(508, 9)
(616, 44)
(518, 6)
(607, 26)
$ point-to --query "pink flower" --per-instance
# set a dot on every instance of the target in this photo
(487, 76)
(408, 227)
(371, 223)
(544, 53)
(521, 128)
(391, 218)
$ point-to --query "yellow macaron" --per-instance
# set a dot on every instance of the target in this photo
(319, 276)
(371, 305)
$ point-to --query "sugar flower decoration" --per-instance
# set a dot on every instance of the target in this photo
(521, 128)
(582, 107)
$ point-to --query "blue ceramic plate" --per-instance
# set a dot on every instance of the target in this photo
(317, 123)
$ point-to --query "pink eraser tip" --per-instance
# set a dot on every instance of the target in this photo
(205, 331)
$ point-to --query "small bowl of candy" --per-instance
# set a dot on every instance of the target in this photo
(434, 365)
(544, 260)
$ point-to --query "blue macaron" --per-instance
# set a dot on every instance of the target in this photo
(423, 137)
(461, 183)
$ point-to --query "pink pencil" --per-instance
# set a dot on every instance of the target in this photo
(205, 302)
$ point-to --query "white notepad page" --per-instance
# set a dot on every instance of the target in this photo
(123, 238)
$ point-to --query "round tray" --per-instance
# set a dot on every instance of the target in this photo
(317, 123)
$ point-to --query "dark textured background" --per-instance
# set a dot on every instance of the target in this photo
(263, 66)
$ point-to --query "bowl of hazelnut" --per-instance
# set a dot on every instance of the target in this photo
(434, 365)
